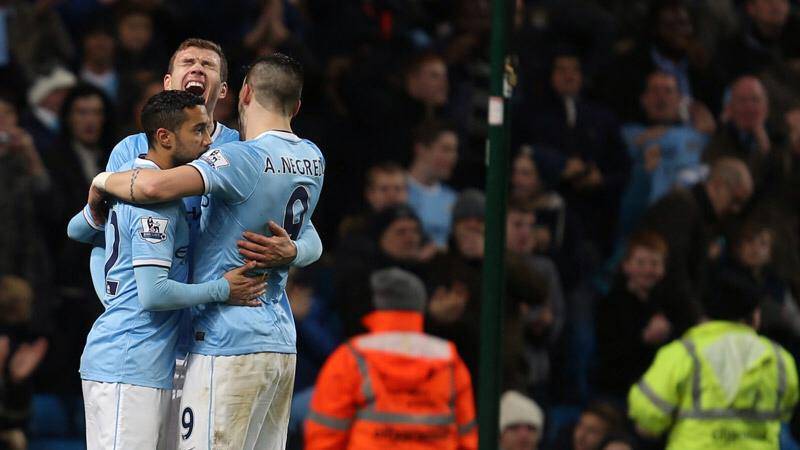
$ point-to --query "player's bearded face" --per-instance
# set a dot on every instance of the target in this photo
(192, 138)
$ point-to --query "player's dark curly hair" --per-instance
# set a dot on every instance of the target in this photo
(166, 110)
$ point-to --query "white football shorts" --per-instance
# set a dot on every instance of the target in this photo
(126, 417)
(239, 402)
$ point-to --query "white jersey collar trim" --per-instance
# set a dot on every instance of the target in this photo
(281, 134)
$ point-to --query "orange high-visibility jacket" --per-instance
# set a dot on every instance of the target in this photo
(393, 388)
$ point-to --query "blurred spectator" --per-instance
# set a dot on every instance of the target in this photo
(544, 323)
(521, 422)
(20, 354)
(745, 135)
(24, 182)
(139, 54)
(412, 376)
(97, 67)
(750, 261)
(33, 37)
(596, 422)
(771, 31)
(669, 45)
(631, 322)
(721, 369)
(385, 186)
(618, 442)
(456, 282)
(396, 240)
(385, 116)
(691, 222)
(578, 149)
(665, 151)
(435, 154)
(77, 156)
(45, 98)
(134, 109)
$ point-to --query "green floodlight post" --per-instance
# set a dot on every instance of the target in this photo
(496, 193)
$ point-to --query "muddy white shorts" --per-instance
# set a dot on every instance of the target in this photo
(126, 417)
(237, 402)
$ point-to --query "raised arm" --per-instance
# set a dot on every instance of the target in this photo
(144, 186)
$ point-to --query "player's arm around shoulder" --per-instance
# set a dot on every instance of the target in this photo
(145, 186)
(653, 400)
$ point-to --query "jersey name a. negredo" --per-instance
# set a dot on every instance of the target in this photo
(276, 176)
(128, 344)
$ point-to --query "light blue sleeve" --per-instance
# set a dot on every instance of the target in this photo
(158, 293)
(309, 246)
(97, 269)
(82, 228)
(228, 172)
(124, 152)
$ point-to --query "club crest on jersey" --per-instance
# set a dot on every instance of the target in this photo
(215, 158)
(154, 230)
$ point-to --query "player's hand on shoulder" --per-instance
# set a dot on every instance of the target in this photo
(98, 205)
(244, 290)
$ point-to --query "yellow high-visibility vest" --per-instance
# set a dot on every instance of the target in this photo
(721, 386)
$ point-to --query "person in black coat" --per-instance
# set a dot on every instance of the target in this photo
(630, 321)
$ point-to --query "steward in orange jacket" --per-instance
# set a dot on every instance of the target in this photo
(395, 387)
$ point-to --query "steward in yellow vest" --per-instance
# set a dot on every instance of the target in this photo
(722, 386)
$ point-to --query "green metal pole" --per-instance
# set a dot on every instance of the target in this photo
(494, 263)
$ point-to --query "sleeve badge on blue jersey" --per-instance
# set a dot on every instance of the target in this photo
(215, 158)
(154, 230)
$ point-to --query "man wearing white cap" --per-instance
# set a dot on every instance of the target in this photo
(45, 97)
(521, 422)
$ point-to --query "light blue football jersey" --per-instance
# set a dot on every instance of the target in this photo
(276, 176)
(134, 145)
(128, 344)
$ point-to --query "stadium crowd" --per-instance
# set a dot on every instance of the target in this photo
(655, 157)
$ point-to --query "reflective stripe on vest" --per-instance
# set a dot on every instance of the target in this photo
(781, 377)
(330, 421)
(467, 427)
(369, 413)
(665, 406)
(710, 414)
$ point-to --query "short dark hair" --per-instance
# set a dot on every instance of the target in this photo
(429, 130)
(418, 60)
(206, 45)
(276, 81)
(166, 110)
(733, 297)
(386, 167)
(648, 239)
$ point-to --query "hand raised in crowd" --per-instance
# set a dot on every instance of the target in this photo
(245, 290)
(26, 359)
(17, 140)
(301, 300)
(268, 251)
(701, 118)
(573, 168)
(657, 330)
(652, 157)
(650, 134)
(447, 304)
